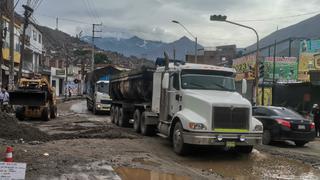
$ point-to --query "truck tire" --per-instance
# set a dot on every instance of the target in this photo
(88, 106)
(116, 115)
(53, 112)
(244, 149)
(137, 119)
(112, 114)
(20, 113)
(179, 146)
(123, 118)
(45, 114)
(94, 110)
(146, 130)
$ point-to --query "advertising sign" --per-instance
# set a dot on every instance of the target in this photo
(286, 69)
(309, 58)
(12, 170)
(267, 96)
(245, 67)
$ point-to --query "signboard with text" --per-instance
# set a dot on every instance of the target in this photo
(286, 68)
(309, 58)
(245, 67)
(10, 170)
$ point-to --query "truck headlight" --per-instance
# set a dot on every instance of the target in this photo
(197, 126)
(258, 128)
(99, 106)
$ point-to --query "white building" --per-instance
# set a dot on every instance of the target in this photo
(57, 79)
(33, 49)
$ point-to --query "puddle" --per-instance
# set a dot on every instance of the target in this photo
(257, 165)
(143, 174)
(145, 162)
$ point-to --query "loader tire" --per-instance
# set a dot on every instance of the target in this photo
(20, 113)
(45, 114)
(53, 112)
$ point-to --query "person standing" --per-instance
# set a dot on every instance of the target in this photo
(1, 99)
(5, 100)
(316, 119)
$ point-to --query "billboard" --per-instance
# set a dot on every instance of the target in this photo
(309, 58)
(245, 67)
(267, 96)
(286, 69)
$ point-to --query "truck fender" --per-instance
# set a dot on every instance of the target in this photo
(255, 122)
(185, 116)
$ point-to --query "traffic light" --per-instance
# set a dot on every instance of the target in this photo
(261, 70)
(218, 18)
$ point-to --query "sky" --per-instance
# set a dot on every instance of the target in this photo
(151, 19)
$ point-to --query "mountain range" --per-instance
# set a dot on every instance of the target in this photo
(148, 49)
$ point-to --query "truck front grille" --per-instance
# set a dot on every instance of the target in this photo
(230, 118)
(105, 101)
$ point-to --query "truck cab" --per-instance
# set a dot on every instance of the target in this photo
(198, 104)
(100, 99)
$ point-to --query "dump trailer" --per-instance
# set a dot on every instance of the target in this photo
(190, 104)
(34, 98)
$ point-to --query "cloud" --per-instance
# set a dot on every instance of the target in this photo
(151, 19)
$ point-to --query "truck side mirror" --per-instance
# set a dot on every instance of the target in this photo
(165, 81)
(244, 86)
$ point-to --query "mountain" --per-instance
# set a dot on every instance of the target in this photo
(307, 29)
(58, 44)
(141, 48)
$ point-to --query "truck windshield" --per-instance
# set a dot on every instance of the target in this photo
(207, 82)
(103, 87)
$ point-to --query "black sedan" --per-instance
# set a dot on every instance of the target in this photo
(281, 124)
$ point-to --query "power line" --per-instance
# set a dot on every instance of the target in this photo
(277, 18)
(88, 11)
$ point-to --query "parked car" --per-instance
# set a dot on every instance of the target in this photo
(280, 123)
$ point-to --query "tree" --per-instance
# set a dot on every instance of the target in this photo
(101, 58)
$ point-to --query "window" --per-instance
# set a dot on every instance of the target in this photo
(40, 39)
(34, 34)
(176, 84)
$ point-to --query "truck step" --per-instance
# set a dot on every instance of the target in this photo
(162, 135)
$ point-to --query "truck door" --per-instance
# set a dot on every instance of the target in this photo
(174, 94)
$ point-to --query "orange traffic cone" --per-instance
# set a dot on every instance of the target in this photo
(9, 157)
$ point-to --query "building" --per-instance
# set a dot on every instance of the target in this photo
(6, 48)
(219, 56)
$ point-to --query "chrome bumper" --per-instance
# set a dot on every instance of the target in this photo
(250, 139)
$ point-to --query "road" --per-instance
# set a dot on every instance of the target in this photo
(86, 146)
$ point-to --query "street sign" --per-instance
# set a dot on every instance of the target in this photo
(11, 170)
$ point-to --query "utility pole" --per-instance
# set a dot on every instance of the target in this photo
(57, 23)
(11, 51)
(27, 13)
(1, 39)
(93, 37)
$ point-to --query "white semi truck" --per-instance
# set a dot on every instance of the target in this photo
(191, 104)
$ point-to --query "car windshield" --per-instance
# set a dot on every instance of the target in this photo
(207, 82)
(103, 87)
(284, 112)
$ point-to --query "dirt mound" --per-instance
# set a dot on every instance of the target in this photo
(11, 129)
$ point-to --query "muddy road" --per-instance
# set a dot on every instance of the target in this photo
(86, 146)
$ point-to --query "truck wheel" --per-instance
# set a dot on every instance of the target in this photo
(112, 114)
(116, 115)
(20, 113)
(146, 130)
(244, 149)
(88, 106)
(300, 143)
(45, 114)
(266, 137)
(137, 118)
(94, 110)
(53, 112)
(179, 146)
(123, 118)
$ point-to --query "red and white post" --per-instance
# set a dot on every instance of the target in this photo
(9, 155)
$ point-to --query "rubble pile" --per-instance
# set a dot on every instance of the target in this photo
(11, 129)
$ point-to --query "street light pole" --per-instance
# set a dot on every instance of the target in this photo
(224, 19)
(196, 40)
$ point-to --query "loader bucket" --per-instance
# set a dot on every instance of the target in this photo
(27, 98)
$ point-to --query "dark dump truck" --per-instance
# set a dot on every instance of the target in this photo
(190, 104)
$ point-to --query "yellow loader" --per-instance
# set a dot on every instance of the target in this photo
(34, 98)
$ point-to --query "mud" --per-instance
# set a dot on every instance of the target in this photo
(12, 129)
(144, 174)
(86, 146)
